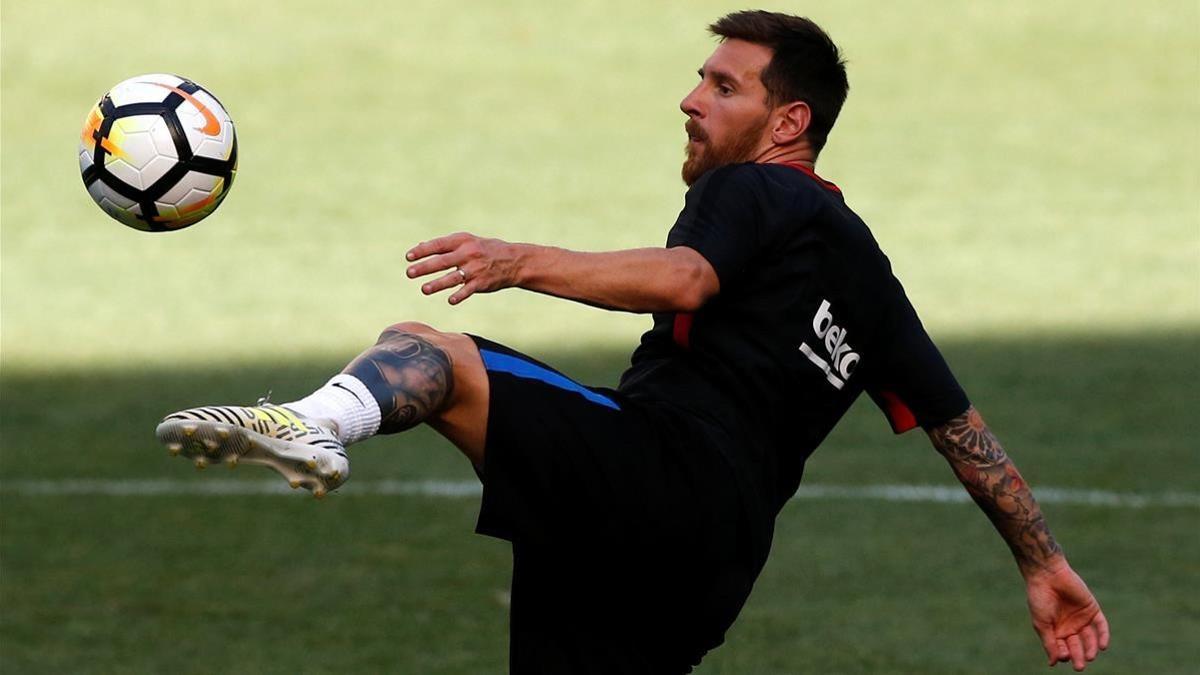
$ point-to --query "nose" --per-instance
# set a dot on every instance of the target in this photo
(690, 105)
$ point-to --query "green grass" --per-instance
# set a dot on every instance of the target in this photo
(374, 583)
(1031, 169)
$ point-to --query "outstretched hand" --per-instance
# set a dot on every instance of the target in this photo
(476, 265)
(1066, 616)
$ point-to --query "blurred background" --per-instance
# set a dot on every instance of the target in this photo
(1032, 170)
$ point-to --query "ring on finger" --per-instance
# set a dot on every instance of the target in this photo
(462, 273)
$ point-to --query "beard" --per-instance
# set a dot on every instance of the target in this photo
(706, 156)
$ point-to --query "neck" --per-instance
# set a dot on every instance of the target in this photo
(795, 155)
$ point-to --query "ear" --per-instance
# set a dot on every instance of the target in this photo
(791, 121)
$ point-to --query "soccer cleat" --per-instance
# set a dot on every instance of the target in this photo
(306, 452)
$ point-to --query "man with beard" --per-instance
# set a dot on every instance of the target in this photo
(640, 516)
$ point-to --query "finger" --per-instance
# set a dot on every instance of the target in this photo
(436, 264)
(1101, 625)
(438, 245)
(1075, 645)
(1090, 648)
(1064, 654)
(442, 283)
(465, 292)
(1049, 646)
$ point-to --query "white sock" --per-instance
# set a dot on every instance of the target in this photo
(345, 401)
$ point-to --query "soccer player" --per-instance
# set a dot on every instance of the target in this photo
(640, 516)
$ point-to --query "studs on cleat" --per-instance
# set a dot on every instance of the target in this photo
(201, 463)
(189, 430)
(294, 483)
(223, 432)
(319, 492)
(174, 448)
(336, 475)
(231, 462)
(311, 464)
(211, 446)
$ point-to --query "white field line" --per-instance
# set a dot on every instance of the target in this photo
(464, 489)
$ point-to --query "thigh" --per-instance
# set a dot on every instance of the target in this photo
(561, 460)
(571, 465)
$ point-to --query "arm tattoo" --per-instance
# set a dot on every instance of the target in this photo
(997, 487)
(409, 377)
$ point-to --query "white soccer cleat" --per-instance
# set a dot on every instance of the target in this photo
(306, 452)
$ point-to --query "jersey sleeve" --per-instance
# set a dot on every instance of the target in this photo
(720, 220)
(913, 385)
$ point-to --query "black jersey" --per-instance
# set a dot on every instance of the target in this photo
(809, 315)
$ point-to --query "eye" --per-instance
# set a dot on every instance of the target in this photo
(724, 90)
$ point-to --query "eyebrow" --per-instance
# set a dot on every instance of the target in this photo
(719, 76)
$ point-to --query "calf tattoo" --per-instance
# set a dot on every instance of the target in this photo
(997, 487)
(409, 377)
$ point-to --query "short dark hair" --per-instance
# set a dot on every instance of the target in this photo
(806, 65)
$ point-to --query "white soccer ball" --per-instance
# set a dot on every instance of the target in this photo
(158, 152)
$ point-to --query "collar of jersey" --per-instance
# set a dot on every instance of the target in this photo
(813, 175)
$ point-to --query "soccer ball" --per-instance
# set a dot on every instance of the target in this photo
(158, 152)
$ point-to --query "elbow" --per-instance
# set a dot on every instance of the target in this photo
(684, 283)
(693, 288)
(688, 301)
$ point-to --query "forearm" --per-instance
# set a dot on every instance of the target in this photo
(991, 478)
(676, 279)
(633, 280)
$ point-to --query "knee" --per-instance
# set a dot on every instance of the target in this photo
(409, 328)
(454, 344)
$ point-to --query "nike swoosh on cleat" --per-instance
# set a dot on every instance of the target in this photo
(212, 126)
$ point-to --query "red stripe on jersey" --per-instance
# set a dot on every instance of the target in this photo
(682, 329)
(813, 175)
(898, 414)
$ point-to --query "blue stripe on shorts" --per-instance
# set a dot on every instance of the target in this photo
(521, 368)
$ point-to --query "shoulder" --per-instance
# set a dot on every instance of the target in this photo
(801, 181)
(731, 178)
(744, 184)
(778, 182)
(775, 197)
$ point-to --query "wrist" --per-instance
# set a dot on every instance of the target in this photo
(1032, 571)
(522, 264)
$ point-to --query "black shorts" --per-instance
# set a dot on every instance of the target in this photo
(630, 547)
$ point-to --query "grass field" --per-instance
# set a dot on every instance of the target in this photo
(1032, 169)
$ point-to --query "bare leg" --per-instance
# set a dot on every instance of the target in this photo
(418, 374)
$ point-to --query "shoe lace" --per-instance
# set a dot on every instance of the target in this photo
(265, 400)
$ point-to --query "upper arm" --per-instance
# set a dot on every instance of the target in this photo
(912, 382)
(721, 223)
